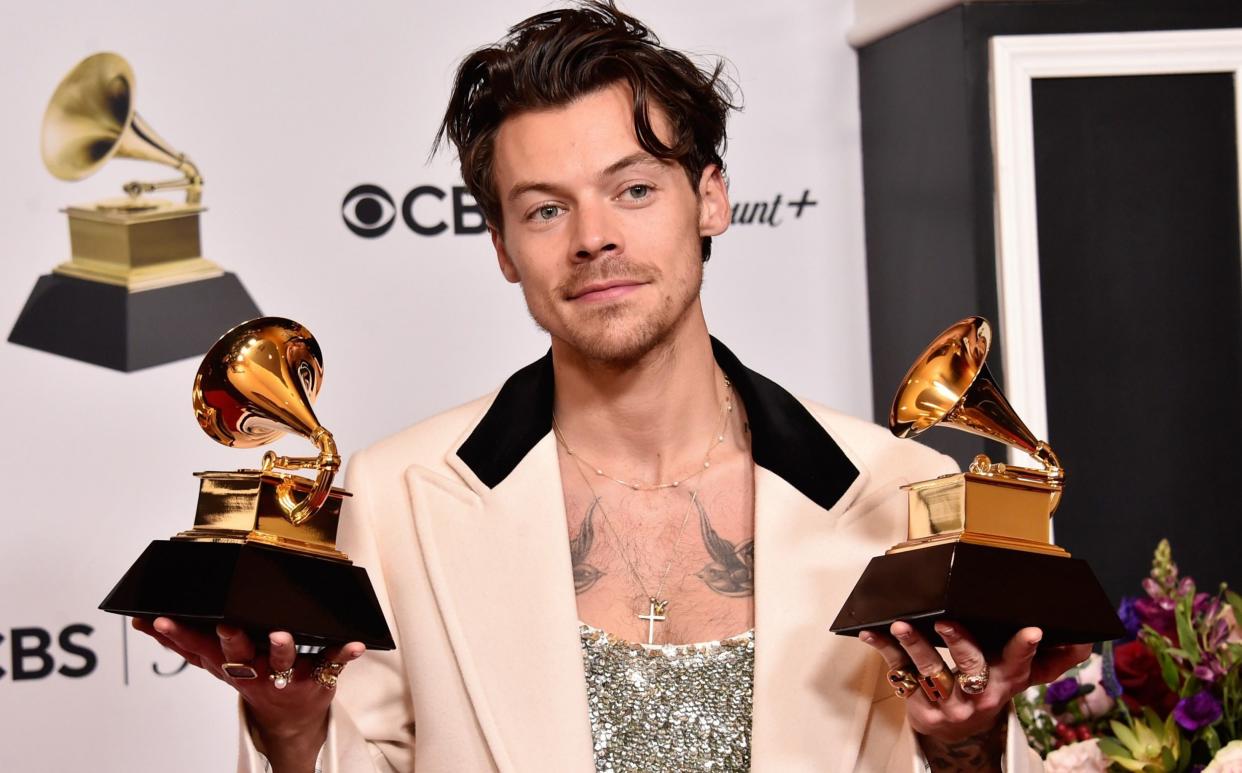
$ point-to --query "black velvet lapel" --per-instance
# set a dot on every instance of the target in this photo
(519, 417)
(785, 438)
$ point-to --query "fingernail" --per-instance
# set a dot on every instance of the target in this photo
(276, 641)
(224, 632)
(163, 626)
(903, 635)
(944, 629)
(866, 637)
(355, 655)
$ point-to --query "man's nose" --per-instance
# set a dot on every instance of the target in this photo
(597, 231)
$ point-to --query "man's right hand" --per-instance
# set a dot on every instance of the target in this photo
(290, 723)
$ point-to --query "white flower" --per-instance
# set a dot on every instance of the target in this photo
(1227, 760)
(1081, 757)
(1096, 703)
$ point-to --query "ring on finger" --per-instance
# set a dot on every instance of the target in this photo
(973, 684)
(902, 680)
(938, 686)
(325, 674)
(239, 671)
(281, 679)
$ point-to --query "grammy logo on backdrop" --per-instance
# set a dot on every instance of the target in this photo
(262, 552)
(136, 290)
(978, 549)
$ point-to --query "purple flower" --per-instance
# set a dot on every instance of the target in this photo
(1129, 617)
(1205, 605)
(1158, 613)
(1197, 711)
(1108, 672)
(1063, 691)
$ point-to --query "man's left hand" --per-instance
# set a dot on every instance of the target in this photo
(961, 717)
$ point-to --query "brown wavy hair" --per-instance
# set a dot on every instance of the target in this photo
(555, 57)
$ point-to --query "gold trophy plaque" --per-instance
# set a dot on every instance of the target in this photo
(136, 290)
(262, 552)
(978, 549)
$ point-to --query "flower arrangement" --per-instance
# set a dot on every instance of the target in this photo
(1166, 699)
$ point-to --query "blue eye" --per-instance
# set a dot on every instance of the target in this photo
(547, 212)
(638, 191)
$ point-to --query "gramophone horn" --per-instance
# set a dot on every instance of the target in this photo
(949, 384)
(91, 118)
(257, 383)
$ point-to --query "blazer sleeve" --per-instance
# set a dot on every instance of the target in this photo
(371, 721)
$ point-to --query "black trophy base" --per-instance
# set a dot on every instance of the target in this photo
(321, 601)
(992, 592)
(107, 325)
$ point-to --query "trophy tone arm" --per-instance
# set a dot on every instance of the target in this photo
(327, 463)
(192, 182)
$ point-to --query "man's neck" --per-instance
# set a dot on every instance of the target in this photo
(652, 417)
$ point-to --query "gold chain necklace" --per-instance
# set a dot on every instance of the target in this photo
(657, 607)
(726, 408)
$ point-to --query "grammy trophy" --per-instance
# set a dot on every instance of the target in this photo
(136, 290)
(978, 549)
(262, 552)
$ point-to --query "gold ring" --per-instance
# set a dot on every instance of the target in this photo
(239, 671)
(973, 684)
(902, 682)
(281, 679)
(937, 686)
(325, 674)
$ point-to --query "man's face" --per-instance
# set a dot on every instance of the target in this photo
(603, 237)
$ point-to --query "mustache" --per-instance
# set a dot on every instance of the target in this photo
(606, 270)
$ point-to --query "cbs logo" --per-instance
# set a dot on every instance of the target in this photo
(369, 211)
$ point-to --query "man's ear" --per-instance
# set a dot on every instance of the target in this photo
(714, 211)
(507, 266)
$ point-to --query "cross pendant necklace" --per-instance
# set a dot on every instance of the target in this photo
(655, 614)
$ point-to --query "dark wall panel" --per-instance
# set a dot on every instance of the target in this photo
(1137, 193)
(931, 250)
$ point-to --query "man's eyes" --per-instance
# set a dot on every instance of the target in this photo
(638, 192)
(547, 212)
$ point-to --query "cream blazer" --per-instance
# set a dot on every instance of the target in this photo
(460, 522)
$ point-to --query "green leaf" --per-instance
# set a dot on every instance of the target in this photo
(1168, 669)
(1185, 630)
(1167, 759)
(1110, 748)
(1127, 737)
(1235, 601)
(1213, 740)
(1177, 652)
(1183, 756)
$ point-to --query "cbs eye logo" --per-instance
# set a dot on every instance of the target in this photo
(369, 211)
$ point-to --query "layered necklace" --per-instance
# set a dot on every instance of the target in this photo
(657, 605)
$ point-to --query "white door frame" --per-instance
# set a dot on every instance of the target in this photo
(1016, 60)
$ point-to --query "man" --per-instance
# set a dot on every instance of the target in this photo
(637, 485)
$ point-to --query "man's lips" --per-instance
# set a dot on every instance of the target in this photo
(606, 291)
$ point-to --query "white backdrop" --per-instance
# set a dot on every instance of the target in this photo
(286, 107)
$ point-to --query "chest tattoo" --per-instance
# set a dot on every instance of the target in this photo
(585, 575)
(731, 572)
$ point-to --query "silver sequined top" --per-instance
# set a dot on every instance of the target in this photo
(670, 708)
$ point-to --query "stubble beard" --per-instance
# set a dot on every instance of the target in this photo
(617, 335)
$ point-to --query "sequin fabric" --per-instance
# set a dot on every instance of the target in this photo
(669, 708)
